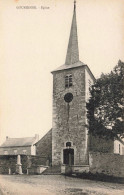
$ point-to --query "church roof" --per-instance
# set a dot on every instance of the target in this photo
(75, 65)
(14, 142)
(72, 55)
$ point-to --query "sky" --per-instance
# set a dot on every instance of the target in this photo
(33, 42)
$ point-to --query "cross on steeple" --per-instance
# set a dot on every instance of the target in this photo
(72, 55)
(74, 4)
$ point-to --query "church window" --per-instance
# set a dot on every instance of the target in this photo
(68, 144)
(68, 97)
(68, 81)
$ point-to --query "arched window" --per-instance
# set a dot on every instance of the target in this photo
(68, 81)
(68, 144)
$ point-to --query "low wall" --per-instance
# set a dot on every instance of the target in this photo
(106, 163)
(100, 144)
(80, 169)
(39, 169)
(9, 162)
(66, 169)
(6, 163)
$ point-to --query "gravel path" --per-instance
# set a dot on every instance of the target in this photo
(55, 185)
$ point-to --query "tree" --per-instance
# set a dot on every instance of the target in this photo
(106, 104)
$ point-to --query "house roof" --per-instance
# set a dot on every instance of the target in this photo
(121, 140)
(13, 142)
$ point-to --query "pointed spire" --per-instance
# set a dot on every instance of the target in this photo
(72, 55)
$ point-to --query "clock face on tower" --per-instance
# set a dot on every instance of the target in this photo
(68, 97)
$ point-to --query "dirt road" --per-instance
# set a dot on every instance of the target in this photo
(55, 185)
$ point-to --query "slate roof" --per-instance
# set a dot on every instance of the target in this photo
(14, 142)
(72, 55)
(65, 66)
(75, 65)
(121, 140)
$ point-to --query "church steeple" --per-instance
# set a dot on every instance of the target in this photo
(72, 55)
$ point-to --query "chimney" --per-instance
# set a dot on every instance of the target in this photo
(37, 137)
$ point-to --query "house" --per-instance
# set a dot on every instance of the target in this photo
(119, 146)
(16, 146)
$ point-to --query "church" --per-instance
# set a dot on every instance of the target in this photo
(71, 83)
(67, 144)
(67, 147)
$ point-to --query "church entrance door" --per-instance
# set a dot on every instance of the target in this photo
(68, 156)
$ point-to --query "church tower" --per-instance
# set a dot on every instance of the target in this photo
(71, 83)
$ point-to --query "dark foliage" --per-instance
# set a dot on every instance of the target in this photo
(106, 105)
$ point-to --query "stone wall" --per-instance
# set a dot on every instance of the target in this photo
(44, 148)
(107, 163)
(10, 161)
(7, 162)
(97, 144)
(35, 161)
